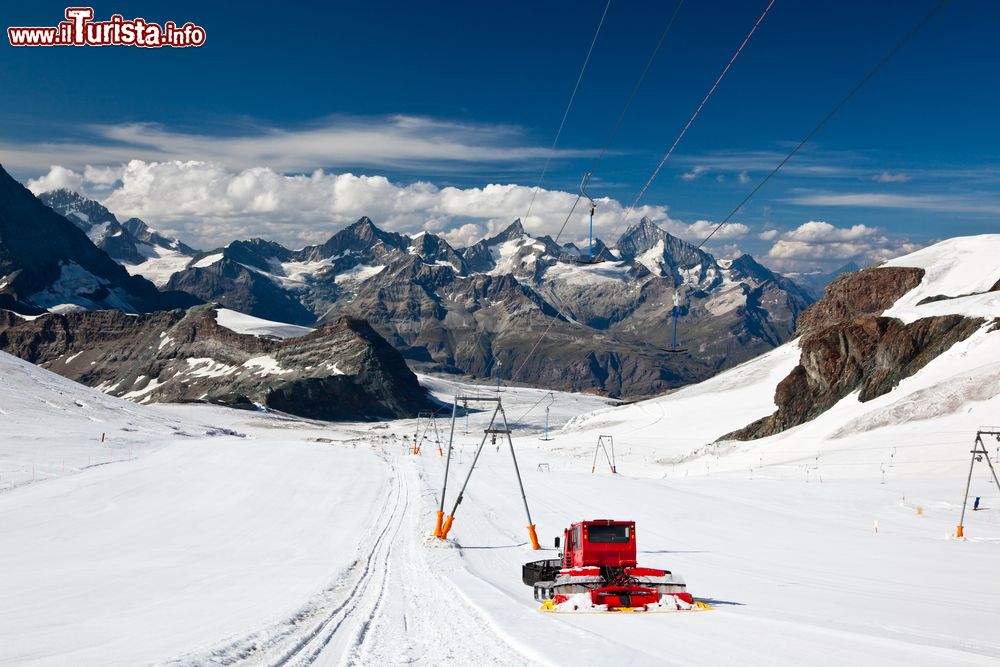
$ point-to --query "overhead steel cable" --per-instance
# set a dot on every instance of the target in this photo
(569, 106)
(666, 156)
(837, 107)
(625, 109)
(548, 159)
(600, 157)
(690, 122)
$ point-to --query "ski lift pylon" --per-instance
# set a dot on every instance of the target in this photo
(593, 207)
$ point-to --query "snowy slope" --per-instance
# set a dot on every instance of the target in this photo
(302, 544)
(248, 324)
(169, 536)
(160, 263)
(53, 426)
(829, 543)
(963, 269)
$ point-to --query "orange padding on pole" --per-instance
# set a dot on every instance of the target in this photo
(446, 527)
(534, 537)
(437, 524)
(961, 531)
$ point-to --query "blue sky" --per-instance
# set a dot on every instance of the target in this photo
(443, 99)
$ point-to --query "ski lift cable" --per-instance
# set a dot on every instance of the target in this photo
(537, 403)
(697, 112)
(607, 143)
(837, 107)
(843, 101)
(569, 106)
(691, 120)
(625, 109)
(555, 142)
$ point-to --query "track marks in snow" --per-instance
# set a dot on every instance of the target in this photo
(323, 626)
(426, 620)
(389, 607)
(364, 599)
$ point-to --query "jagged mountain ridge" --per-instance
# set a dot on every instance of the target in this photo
(140, 249)
(47, 262)
(476, 309)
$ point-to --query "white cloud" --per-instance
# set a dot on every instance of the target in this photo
(768, 235)
(889, 177)
(386, 141)
(102, 175)
(465, 235)
(702, 228)
(694, 174)
(57, 178)
(823, 232)
(728, 251)
(819, 245)
(744, 177)
(802, 250)
(967, 203)
(207, 204)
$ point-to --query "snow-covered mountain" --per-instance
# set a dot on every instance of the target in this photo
(48, 263)
(143, 251)
(913, 342)
(482, 308)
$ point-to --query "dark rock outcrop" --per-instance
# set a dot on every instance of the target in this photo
(859, 293)
(847, 346)
(342, 371)
(234, 285)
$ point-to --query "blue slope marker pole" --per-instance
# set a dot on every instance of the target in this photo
(676, 312)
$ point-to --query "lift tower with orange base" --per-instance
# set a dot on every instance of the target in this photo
(443, 524)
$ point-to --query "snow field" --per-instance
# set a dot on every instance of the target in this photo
(248, 324)
(230, 537)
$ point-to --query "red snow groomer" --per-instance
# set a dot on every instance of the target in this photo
(598, 572)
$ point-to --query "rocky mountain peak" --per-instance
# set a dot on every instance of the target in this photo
(360, 236)
(664, 254)
(746, 265)
(364, 227)
(47, 261)
(512, 231)
(122, 241)
(90, 216)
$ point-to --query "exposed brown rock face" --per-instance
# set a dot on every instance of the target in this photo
(853, 294)
(344, 370)
(847, 346)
